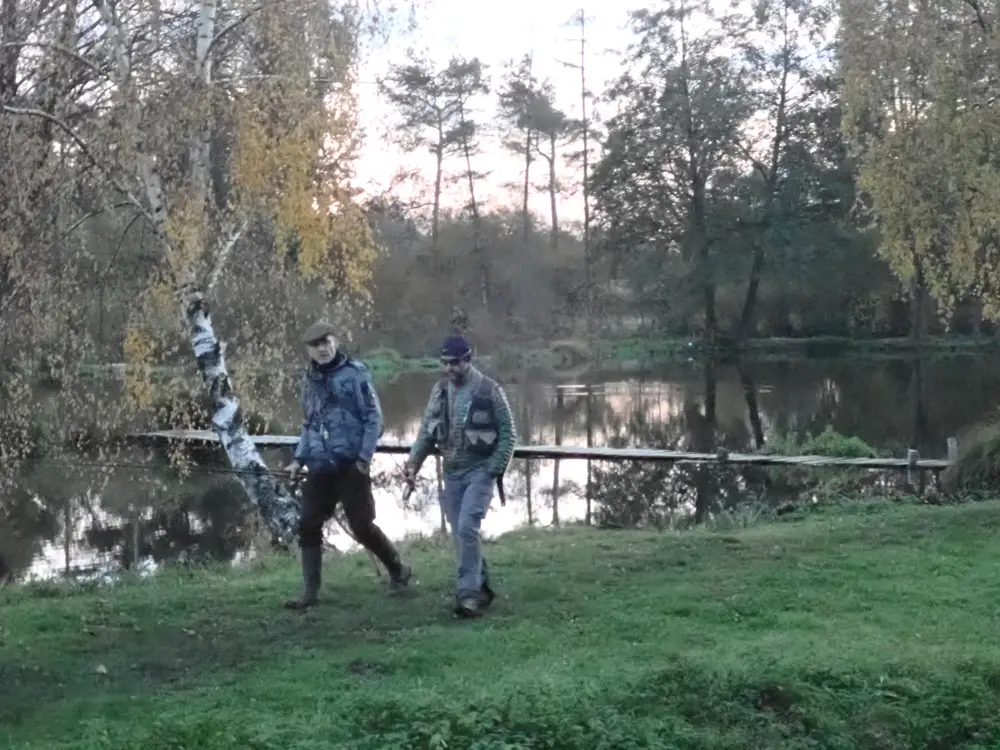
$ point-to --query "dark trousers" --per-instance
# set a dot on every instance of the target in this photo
(353, 490)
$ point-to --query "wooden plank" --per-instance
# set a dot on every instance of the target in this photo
(598, 453)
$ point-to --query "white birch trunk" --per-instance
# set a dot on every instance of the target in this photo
(201, 141)
(277, 506)
(279, 509)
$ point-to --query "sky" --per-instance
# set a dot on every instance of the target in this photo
(496, 34)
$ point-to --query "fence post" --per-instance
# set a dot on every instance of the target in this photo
(952, 449)
(911, 466)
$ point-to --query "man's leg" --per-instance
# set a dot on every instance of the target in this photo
(355, 493)
(472, 571)
(454, 490)
(317, 504)
(487, 588)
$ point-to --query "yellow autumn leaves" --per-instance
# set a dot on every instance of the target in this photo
(284, 171)
(920, 110)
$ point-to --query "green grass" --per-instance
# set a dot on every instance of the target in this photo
(865, 626)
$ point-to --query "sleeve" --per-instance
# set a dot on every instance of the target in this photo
(421, 447)
(507, 433)
(301, 444)
(371, 416)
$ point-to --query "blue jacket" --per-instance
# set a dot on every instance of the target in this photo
(343, 416)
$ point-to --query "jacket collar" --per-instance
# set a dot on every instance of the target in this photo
(317, 371)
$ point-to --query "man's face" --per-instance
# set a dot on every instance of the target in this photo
(455, 369)
(322, 351)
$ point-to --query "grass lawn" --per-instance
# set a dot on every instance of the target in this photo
(863, 626)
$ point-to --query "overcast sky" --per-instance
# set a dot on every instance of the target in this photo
(512, 29)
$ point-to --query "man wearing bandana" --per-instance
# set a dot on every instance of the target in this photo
(469, 419)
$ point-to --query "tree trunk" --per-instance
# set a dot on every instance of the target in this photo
(753, 407)
(477, 232)
(917, 303)
(555, 469)
(526, 421)
(278, 508)
(438, 174)
(747, 316)
(705, 479)
(9, 56)
(587, 262)
(526, 216)
(553, 194)
(590, 444)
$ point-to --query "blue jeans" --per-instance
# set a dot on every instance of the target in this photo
(467, 497)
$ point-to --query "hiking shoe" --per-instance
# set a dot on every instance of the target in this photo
(488, 595)
(303, 602)
(468, 607)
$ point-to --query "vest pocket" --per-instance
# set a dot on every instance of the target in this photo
(480, 439)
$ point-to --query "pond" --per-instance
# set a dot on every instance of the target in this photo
(90, 519)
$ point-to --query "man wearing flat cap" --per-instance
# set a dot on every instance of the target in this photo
(469, 419)
(342, 425)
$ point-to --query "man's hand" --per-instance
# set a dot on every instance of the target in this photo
(294, 468)
(410, 478)
(362, 466)
(409, 474)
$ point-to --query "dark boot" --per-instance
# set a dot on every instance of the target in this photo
(375, 540)
(400, 579)
(488, 595)
(312, 565)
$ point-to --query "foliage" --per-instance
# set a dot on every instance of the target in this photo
(828, 443)
(918, 95)
(977, 465)
(203, 657)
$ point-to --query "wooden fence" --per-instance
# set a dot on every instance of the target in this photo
(911, 463)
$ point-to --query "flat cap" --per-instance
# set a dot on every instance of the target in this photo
(318, 330)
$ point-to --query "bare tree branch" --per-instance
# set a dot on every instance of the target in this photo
(85, 150)
(223, 254)
(980, 19)
(87, 217)
(232, 25)
(60, 49)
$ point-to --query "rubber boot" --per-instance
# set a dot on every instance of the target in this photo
(401, 579)
(312, 565)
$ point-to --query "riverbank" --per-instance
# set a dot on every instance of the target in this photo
(817, 347)
(858, 626)
(572, 354)
(387, 364)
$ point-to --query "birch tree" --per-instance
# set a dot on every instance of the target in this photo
(284, 93)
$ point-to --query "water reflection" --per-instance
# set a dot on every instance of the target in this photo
(87, 515)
